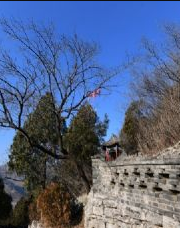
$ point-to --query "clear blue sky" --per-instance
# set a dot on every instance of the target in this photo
(116, 26)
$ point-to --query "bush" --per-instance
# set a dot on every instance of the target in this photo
(130, 130)
(20, 216)
(5, 202)
(54, 205)
(76, 212)
(33, 211)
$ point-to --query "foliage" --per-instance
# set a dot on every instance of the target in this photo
(82, 141)
(76, 212)
(64, 66)
(5, 202)
(30, 162)
(20, 216)
(34, 214)
(54, 206)
(85, 133)
(77, 176)
(130, 130)
(157, 83)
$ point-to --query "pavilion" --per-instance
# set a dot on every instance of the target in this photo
(111, 148)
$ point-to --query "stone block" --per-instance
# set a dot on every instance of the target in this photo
(95, 223)
(170, 222)
(133, 207)
(98, 210)
(108, 212)
(110, 225)
(111, 203)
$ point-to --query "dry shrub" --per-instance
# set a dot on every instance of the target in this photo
(161, 128)
(157, 83)
(54, 206)
(33, 212)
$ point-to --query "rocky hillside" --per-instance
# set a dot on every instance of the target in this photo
(13, 184)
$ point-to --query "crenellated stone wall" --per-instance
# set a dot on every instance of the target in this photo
(135, 193)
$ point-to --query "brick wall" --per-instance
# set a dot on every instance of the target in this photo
(134, 193)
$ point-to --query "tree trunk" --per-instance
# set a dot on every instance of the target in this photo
(44, 173)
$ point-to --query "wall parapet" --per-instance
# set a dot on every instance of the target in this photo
(135, 192)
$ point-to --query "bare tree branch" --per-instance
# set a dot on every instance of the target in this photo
(65, 67)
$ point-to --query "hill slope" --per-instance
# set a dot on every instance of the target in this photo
(12, 186)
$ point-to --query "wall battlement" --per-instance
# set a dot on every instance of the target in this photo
(135, 193)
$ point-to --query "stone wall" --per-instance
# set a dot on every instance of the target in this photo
(135, 192)
(36, 224)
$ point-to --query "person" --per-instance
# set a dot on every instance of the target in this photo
(107, 157)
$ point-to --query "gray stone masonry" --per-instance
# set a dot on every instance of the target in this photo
(135, 192)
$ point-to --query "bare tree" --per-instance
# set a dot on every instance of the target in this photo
(157, 83)
(66, 67)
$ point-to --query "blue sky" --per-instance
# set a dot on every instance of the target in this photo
(117, 26)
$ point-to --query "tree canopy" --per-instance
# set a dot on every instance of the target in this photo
(31, 162)
(130, 129)
(82, 140)
(156, 81)
(20, 217)
(85, 133)
(64, 66)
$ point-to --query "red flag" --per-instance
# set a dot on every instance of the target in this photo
(95, 93)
